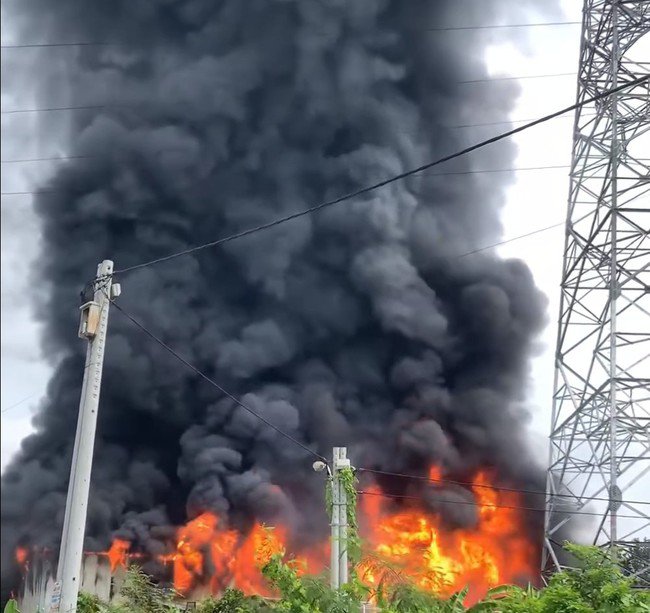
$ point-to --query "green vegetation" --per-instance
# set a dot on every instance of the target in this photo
(11, 606)
(636, 559)
(598, 585)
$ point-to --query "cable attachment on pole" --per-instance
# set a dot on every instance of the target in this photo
(91, 309)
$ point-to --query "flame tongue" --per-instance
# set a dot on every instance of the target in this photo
(443, 561)
(411, 537)
(206, 554)
(193, 539)
(117, 553)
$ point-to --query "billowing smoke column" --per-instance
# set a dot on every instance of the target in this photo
(358, 326)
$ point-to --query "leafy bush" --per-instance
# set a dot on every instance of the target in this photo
(233, 601)
(598, 585)
(140, 595)
(636, 561)
(88, 603)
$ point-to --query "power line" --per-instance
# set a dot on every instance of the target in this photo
(478, 249)
(492, 506)
(398, 177)
(520, 77)
(49, 159)
(511, 240)
(498, 123)
(510, 25)
(212, 382)
(363, 492)
(489, 487)
(13, 406)
(58, 108)
(108, 106)
(437, 174)
(456, 127)
(32, 192)
(442, 29)
(492, 170)
(40, 45)
(467, 253)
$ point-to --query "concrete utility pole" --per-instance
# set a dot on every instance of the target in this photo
(93, 327)
(339, 548)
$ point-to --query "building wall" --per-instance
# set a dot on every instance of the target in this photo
(96, 579)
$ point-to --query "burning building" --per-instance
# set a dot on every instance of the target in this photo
(361, 325)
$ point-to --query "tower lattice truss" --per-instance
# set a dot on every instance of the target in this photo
(599, 461)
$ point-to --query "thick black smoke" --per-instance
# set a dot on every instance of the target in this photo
(359, 326)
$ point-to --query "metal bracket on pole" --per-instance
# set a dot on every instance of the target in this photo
(93, 327)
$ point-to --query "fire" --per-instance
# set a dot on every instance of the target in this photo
(117, 553)
(258, 548)
(435, 473)
(208, 554)
(412, 538)
(22, 554)
(193, 538)
(443, 561)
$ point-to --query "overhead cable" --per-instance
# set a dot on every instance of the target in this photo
(520, 77)
(489, 505)
(437, 174)
(212, 382)
(511, 240)
(59, 108)
(507, 25)
(489, 487)
(16, 404)
(50, 45)
(127, 106)
(440, 29)
(383, 183)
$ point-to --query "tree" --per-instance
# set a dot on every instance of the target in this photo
(597, 585)
(138, 595)
(635, 560)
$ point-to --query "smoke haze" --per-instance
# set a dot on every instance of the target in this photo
(358, 326)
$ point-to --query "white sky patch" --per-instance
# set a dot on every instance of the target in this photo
(537, 199)
(24, 374)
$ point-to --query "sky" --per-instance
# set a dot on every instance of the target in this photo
(535, 200)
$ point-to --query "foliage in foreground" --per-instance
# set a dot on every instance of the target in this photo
(636, 559)
(597, 586)
(11, 606)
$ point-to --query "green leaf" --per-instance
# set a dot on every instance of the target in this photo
(11, 606)
(504, 590)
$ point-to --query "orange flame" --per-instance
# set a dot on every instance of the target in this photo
(442, 560)
(22, 554)
(117, 553)
(411, 537)
(435, 473)
(233, 559)
(256, 550)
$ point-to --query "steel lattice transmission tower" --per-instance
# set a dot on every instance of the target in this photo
(600, 441)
